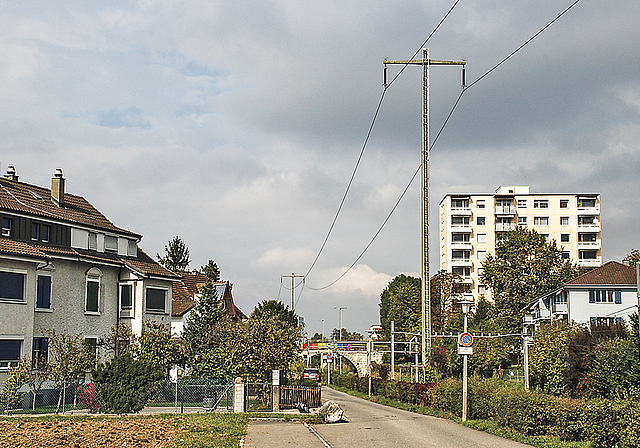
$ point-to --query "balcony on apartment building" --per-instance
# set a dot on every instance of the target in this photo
(588, 206)
(505, 226)
(461, 258)
(588, 223)
(460, 207)
(505, 210)
(589, 258)
(589, 241)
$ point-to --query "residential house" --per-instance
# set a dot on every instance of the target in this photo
(65, 266)
(186, 292)
(602, 296)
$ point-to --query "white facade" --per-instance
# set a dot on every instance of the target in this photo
(472, 224)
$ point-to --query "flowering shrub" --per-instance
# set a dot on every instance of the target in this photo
(88, 396)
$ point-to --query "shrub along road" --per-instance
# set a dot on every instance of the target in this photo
(373, 425)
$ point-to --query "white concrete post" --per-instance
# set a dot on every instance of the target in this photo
(238, 395)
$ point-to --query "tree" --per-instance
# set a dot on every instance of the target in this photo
(446, 288)
(34, 374)
(524, 267)
(278, 309)
(71, 357)
(202, 355)
(176, 257)
(156, 346)
(211, 271)
(549, 357)
(124, 383)
(400, 302)
(633, 258)
(346, 335)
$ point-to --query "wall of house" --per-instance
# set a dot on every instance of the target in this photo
(581, 311)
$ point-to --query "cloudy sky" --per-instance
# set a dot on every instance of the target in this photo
(237, 125)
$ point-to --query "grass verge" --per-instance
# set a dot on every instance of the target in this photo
(481, 425)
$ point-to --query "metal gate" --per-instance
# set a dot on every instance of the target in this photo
(258, 397)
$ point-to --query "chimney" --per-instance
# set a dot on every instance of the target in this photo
(57, 187)
(11, 173)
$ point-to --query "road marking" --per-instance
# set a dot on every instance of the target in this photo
(315, 433)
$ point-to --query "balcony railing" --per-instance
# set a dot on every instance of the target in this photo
(590, 262)
(461, 211)
(461, 261)
(461, 244)
(505, 226)
(591, 227)
(505, 210)
(589, 244)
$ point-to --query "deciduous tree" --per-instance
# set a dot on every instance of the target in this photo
(633, 258)
(446, 288)
(400, 302)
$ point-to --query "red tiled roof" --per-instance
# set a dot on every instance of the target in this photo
(9, 246)
(33, 200)
(146, 265)
(610, 273)
(185, 291)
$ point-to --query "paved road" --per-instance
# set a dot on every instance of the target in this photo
(373, 425)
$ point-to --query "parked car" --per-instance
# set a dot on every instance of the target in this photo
(312, 374)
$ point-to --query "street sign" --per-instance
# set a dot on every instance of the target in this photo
(462, 350)
(465, 340)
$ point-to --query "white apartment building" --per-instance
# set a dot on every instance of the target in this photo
(472, 224)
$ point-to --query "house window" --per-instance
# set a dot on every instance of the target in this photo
(132, 249)
(156, 299)
(481, 254)
(564, 237)
(480, 203)
(35, 232)
(564, 203)
(92, 347)
(126, 296)
(540, 203)
(6, 226)
(111, 243)
(522, 203)
(481, 220)
(46, 233)
(564, 220)
(540, 220)
(12, 286)
(40, 352)
(10, 352)
(522, 220)
(605, 296)
(43, 299)
(92, 297)
(93, 241)
(562, 298)
(482, 237)
(604, 321)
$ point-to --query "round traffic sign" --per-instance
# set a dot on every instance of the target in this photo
(465, 339)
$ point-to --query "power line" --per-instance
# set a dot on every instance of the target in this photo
(455, 105)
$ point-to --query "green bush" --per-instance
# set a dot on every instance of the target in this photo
(124, 383)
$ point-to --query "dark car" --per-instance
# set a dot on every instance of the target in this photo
(312, 374)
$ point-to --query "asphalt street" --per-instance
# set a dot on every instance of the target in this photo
(371, 426)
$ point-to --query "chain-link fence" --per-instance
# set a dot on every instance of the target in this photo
(185, 395)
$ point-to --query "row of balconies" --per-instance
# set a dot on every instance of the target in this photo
(512, 210)
(586, 262)
(507, 226)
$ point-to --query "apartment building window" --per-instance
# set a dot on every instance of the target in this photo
(6, 226)
(156, 299)
(540, 220)
(126, 296)
(461, 271)
(482, 289)
(564, 237)
(540, 203)
(35, 232)
(92, 296)
(522, 203)
(460, 237)
(588, 255)
(564, 203)
(43, 293)
(564, 220)
(12, 286)
(480, 203)
(522, 220)
(10, 352)
(481, 220)
(546, 237)
(460, 220)
(39, 352)
(566, 255)
(482, 238)
(587, 220)
(586, 202)
(605, 296)
(481, 255)
(587, 237)
(459, 203)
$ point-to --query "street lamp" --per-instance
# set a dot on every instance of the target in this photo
(465, 302)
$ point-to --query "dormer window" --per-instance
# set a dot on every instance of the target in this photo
(111, 243)
(6, 226)
(35, 232)
(93, 241)
(46, 232)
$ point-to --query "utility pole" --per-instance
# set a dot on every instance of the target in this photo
(293, 287)
(425, 62)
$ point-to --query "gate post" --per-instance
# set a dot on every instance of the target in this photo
(275, 384)
(238, 395)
